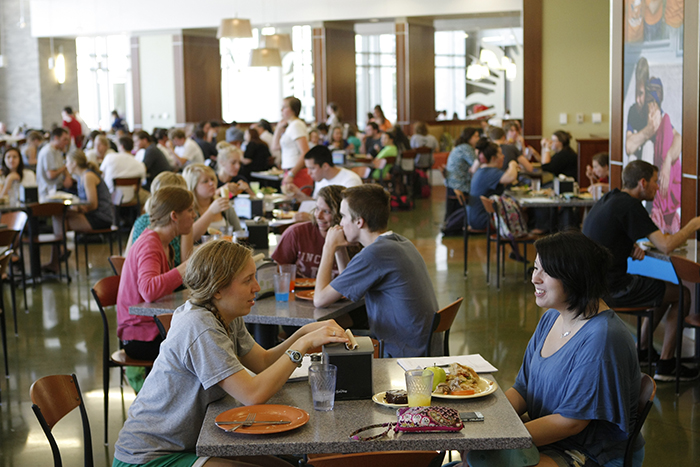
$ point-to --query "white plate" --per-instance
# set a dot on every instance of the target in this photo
(485, 387)
(379, 399)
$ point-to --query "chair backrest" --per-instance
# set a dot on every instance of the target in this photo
(408, 160)
(488, 205)
(105, 291)
(442, 322)
(384, 458)
(133, 181)
(163, 323)
(378, 347)
(646, 399)
(53, 397)
(47, 209)
(686, 270)
(8, 237)
(4, 262)
(424, 158)
(117, 263)
(15, 220)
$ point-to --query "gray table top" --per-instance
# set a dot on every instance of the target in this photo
(265, 311)
(328, 431)
(689, 251)
(546, 202)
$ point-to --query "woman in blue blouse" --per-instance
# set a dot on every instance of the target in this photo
(580, 379)
(459, 169)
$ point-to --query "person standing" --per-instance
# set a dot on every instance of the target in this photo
(292, 138)
(73, 125)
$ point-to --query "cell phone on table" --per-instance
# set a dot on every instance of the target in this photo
(471, 416)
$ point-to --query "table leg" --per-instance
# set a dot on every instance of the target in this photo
(34, 249)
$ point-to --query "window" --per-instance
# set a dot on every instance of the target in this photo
(375, 61)
(450, 73)
(251, 93)
(104, 79)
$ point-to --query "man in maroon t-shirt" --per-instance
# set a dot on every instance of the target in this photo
(73, 126)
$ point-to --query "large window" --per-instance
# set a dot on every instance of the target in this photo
(375, 61)
(251, 93)
(450, 73)
(104, 79)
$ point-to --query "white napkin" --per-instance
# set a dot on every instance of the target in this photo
(475, 361)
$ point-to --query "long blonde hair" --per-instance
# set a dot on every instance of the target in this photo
(78, 156)
(212, 268)
(191, 174)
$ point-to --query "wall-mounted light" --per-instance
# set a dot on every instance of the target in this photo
(59, 69)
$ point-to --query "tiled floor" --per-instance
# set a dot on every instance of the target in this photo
(62, 333)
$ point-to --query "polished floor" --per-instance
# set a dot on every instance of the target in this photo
(62, 333)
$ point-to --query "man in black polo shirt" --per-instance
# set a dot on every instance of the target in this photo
(617, 221)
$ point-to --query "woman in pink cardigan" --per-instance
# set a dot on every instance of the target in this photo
(148, 273)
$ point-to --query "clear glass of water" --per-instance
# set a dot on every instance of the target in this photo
(322, 379)
(419, 386)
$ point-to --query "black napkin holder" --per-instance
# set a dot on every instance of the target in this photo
(354, 377)
(564, 186)
(258, 233)
(28, 194)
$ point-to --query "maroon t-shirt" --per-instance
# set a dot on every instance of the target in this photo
(302, 244)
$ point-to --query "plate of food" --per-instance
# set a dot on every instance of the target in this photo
(304, 294)
(304, 283)
(391, 398)
(520, 189)
(281, 418)
(462, 382)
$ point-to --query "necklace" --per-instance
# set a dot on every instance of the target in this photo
(568, 333)
(564, 334)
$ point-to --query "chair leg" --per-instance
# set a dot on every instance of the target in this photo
(498, 265)
(77, 254)
(679, 337)
(24, 277)
(651, 337)
(3, 330)
(87, 265)
(13, 292)
(466, 243)
(105, 387)
(488, 255)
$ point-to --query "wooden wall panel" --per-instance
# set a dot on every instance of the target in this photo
(334, 69)
(616, 92)
(179, 73)
(415, 72)
(532, 72)
(202, 76)
(402, 107)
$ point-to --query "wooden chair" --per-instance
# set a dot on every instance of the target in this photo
(105, 294)
(383, 458)
(501, 243)
(689, 271)
(646, 400)
(641, 312)
(53, 398)
(4, 261)
(50, 210)
(163, 323)
(8, 238)
(442, 322)
(85, 235)
(17, 220)
(117, 263)
(133, 205)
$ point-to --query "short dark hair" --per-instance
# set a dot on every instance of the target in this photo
(69, 110)
(127, 143)
(265, 124)
(159, 133)
(58, 132)
(496, 133)
(580, 264)
(214, 123)
(370, 202)
(374, 126)
(602, 159)
(322, 127)
(487, 148)
(294, 104)
(564, 137)
(320, 155)
(466, 135)
(143, 135)
(635, 171)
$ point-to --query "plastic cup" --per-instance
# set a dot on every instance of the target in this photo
(535, 184)
(419, 386)
(322, 379)
(205, 238)
(292, 270)
(281, 282)
(255, 186)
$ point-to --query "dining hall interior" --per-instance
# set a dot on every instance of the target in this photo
(549, 65)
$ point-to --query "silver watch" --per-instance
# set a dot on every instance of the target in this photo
(295, 356)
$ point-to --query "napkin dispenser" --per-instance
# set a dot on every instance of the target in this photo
(258, 233)
(247, 207)
(566, 185)
(28, 194)
(354, 377)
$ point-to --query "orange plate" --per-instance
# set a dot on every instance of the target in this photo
(305, 294)
(296, 416)
(305, 283)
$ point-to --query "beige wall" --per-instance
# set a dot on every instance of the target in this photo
(575, 66)
(54, 96)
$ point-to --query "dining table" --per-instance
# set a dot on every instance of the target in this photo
(329, 432)
(264, 316)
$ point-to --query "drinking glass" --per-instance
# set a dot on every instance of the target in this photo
(419, 386)
(322, 379)
(281, 282)
(292, 270)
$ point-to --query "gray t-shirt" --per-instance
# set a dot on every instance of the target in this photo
(49, 158)
(168, 413)
(400, 300)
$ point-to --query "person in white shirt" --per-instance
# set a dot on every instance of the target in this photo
(101, 149)
(186, 150)
(319, 163)
(292, 138)
(122, 164)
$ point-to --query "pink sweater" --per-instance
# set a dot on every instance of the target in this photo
(146, 277)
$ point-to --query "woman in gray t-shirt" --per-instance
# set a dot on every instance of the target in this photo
(203, 357)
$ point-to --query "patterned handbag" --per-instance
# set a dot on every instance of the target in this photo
(432, 419)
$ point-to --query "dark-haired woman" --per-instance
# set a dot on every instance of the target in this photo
(488, 180)
(580, 379)
(557, 156)
(257, 154)
(13, 172)
(460, 167)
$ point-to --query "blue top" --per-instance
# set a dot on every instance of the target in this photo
(392, 277)
(103, 215)
(595, 376)
(140, 225)
(486, 182)
(460, 160)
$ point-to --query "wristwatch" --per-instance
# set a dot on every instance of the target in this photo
(295, 356)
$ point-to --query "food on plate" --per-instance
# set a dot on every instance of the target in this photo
(275, 171)
(268, 190)
(213, 231)
(396, 396)
(439, 375)
(461, 381)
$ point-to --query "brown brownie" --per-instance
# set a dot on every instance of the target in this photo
(396, 396)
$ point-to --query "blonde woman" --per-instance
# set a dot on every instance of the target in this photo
(182, 245)
(97, 213)
(148, 274)
(211, 210)
(205, 357)
(228, 165)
